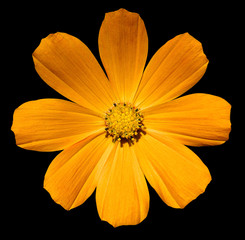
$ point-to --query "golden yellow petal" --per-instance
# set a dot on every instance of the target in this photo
(173, 170)
(123, 46)
(73, 175)
(67, 65)
(175, 68)
(195, 120)
(122, 195)
(53, 124)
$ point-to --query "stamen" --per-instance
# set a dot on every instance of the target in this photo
(123, 122)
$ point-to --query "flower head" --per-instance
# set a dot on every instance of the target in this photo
(122, 128)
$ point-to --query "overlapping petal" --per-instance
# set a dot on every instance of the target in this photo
(122, 195)
(68, 66)
(195, 120)
(176, 67)
(73, 175)
(53, 124)
(123, 46)
(173, 170)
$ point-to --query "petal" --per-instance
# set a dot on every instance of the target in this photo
(195, 119)
(175, 68)
(53, 124)
(173, 170)
(73, 175)
(68, 66)
(122, 195)
(123, 46)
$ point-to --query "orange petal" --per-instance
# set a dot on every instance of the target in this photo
(68, 66)
(122, 195)
(53, 124)
(173, 170)
(195, 120)
(175, 68)
(73, 175)
(123, 46)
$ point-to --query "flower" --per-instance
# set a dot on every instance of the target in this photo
(121, 129)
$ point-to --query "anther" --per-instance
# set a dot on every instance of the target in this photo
(123, 121)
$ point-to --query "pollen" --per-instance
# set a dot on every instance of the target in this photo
(123, 121)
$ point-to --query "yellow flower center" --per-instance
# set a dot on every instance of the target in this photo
(123, 121)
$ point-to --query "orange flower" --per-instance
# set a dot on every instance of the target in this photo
(117, 131)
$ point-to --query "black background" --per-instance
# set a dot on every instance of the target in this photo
(30, 210)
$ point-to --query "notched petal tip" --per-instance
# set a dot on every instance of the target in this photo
(14, 127)
(195, 43)
(206, 182)
(55, 37)
(229, 125)
(52, 37)
(120, 12)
